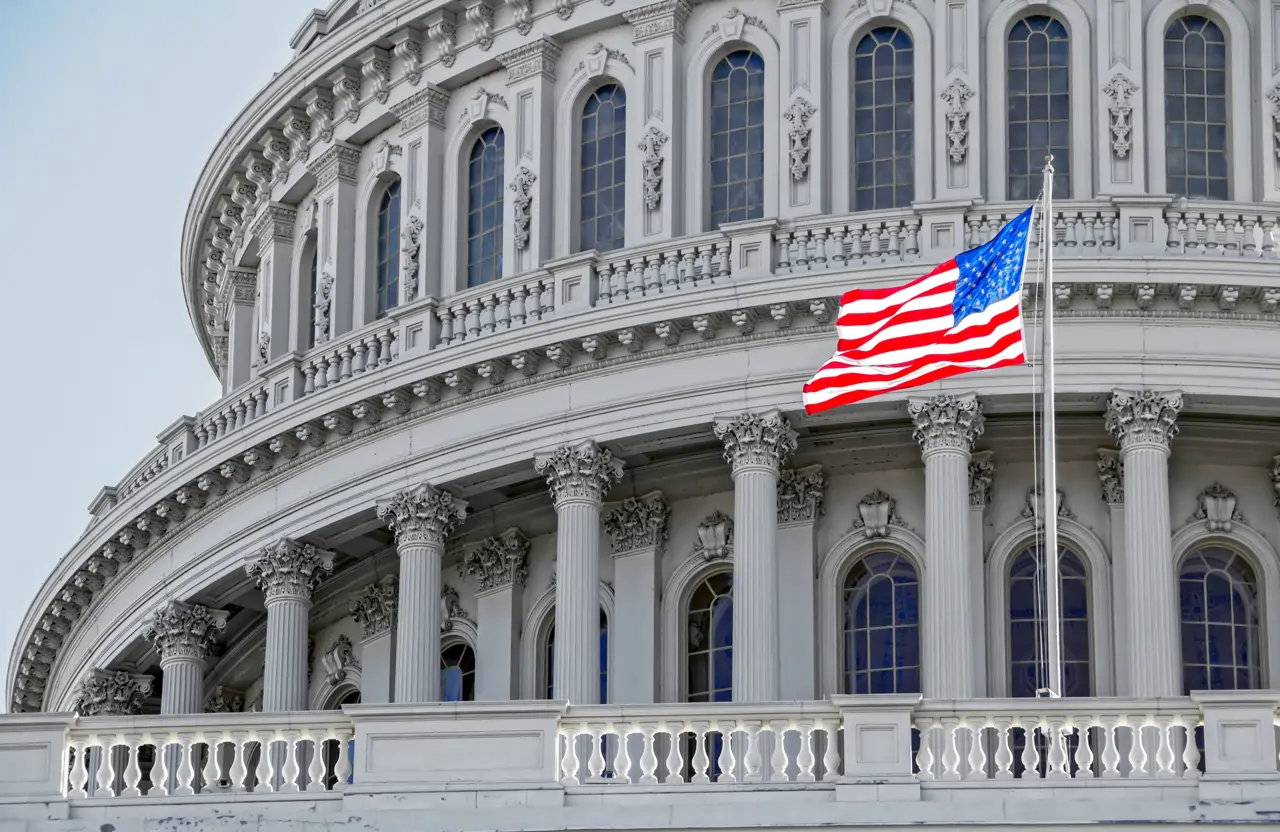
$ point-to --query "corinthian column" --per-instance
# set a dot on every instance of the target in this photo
(946, 428)
(287, 572)
(755, 444)
(422, 519)
(182, 634)
(1144, 424)
(579, 477)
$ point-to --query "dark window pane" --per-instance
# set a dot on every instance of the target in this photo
(484, 208)
(883, 93)
(1195, 103)
(602, 161)
(1038, 84)
(1220, 622)
(881, 633)
(737, 139)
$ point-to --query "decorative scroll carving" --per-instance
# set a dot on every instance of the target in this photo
(876, 513)
(579, 472)
(499, 561)
(981, 473)
(480, 16)
(715, 537)
(289, 568)
(651, 146)
(1111, 476)
(1141, 417)
(1120, 90)
(422, 514)
(1217, 509)
(339, 661)
(730, 26)
(756, 438)
(956, 96)
(798, 115)
(522, 10)
(1034, 509)
(374, 607)
(184, 630)
(946, 422)
(800, 494)
(638, 523)
(324, 306)
(522, 187)
(451, 609)
(442, 32)
(412, 250)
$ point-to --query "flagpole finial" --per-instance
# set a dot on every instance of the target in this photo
(1048, 162)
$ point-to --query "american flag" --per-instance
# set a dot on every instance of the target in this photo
(964, 315)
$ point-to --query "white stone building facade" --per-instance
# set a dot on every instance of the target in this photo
(510, 510)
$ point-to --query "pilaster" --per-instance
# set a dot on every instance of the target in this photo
(1144, 423)
(1269, 75)
(946, 426)
(804, 63)
(958, 78)
(579, 476)
(1120, 98)
(637, 530)
(500, 566)
(755, 445)
(237, 294)
(529, 153)
(1111, 482)
(658, 34)
(287, 572)
(274, 232)
(800, 504)
(981, 473)
(335, 195)
(422, 126)
(182, 634)
(374, 609)
(422, 518)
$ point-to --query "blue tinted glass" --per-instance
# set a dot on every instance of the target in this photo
(457, 673)
(602, 163)
(883, 120)
(737, 136)
(709, 640)
(881, 632)
(484, 208)
(1220, 622)
(1195, 108)
(388, 249)
(1038, 112)
(1028, 664)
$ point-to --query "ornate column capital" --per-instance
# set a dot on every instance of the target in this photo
(666, 17)
(112, 693)
(800, 494)
(222, 700)
(981, 473)
(756, 439)
(1143, 418)
(582, 472)
(638, 523)
(499, 561)
(288, 568)
(179, 630)
(342, 161)
(374, 607)
(274, 223)
(422, 514)
(1111, 476)
(946, 422)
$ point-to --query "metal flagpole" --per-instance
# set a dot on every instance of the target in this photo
(1049, 492)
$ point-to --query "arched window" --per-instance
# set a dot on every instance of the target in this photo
(1195, 109)
(1039, 108)
(604, 169)
(1221, 646)
(737, 138)
(389, 249)
(882, 626)
(549, 652)
(457, 673)
(1028, 664)
(484, 208)
(709, 640)
(314, 283)
(883, 120)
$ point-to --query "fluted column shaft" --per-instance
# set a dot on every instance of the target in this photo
(1144, 423)
(946, 427)
(579, 477)
(418, 648)
(284, 684)
(182, 691)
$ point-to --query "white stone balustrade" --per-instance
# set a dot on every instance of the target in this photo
(485, 310)
(868, 238)
(231, 414)
(1087, 229)
(366, 351)
(1223, 229)
(649, 271)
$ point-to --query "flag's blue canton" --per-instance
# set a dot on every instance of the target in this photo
(992, 272)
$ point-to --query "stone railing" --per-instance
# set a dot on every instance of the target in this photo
(230, 414)
(484, 310)
(364, 351)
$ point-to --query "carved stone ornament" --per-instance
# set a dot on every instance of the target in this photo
(582, 472)
(798, 115)
(730, 26)
(1274, 98)
(451, 609)
(597, 59)
(223, 700)
(412, 250)
(946, 422)
(288, 568)
(324, 306)
(422, 514)
(756, 439)
(112, 693)
(956, 96)
(1275, 477)
(800, 494)
(374, 607)
(522, 11)
(981, 473)
(651, 146)
(522, 187)
(638, 523)
(1143, 417)
(1120, 90)
(339, 661)
(180, 630)
(382, 159)
(1217, 509)
(499, 561)
(876, 513)
(1111, 476)
(715, 537)
(262, 352)
(1034, 509)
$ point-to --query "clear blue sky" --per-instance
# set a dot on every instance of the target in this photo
(108, 111)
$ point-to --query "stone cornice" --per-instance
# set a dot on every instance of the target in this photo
(532, 59)
(425, 106)
(342, 161)
(274, 223)
(666, 17)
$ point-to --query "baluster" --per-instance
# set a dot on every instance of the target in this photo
(893, 230)
(652, 277)
(858, 247)
(239, 760)
(836, 258)
(160, 773)
(1030, 754)
(264, 775)
(722, 261)
(1090, 237)
(675, 759)
(883, 242)
(950, 752)
(335, 362)
(106, 770)
(751, 760)
(778, 762)
(132, 771)
(344, 370)
(79, 769)
(820, 237)
(1196, 239)
(1173, 240)
(620, 766)
(384, 355)
(360, 359)
(1268, 238)
(1216, 235)
(803, 257)
(648, 754)
(1086, 731)
(487, 307)
(533, 307)
(701, 762)
(671, 269)
(261, 398)
(782, 245)
(1190, 753)
(1070, 228)
(212, 770)
(1056, 745)
(595, 764)
(239, 412)
(924, 757)
(569, 759)
(604, 283)
(290, 770)
(913, 237)
(704, 262)
(1137, 748)
(1109, 231)
(971, 239)
(315, 769)
(445, 317)
(547, 297)
(1004, 747)
(1248, 243)
(831, 750)
(342, 767)
(1235, 230)
(688, 266)
(1164, 749)
(635, 278)
(503, 321)
(728, 759)
(804, 756)
(1110, 748)
(186, 766)
(518, 305)
(473, 318)
(977, 754)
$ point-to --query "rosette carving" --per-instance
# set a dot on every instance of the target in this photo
(946, 423)
(756, 439)
(288, 568)
(579, 472)
(800, 494)
(179, 630)
(1143, 417)
(638, 523)
(499, 561)
(422, 514)
(374, 607)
